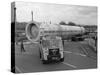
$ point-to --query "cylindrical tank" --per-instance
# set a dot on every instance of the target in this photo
(34, 30)
(72, 30)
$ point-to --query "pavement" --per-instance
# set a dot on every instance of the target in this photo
(78, 55)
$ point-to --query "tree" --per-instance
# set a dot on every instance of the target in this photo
(71, 23)
(62, 23)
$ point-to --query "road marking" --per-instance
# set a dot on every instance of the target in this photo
(73, 66)
(18, 69)
(67, 51)
(75, 53)
(84, 50)
(80, 54)
(24, 53)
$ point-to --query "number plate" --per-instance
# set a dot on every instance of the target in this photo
(54, 58)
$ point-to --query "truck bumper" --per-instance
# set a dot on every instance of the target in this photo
(54, 57)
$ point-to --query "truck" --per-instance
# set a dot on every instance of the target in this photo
(51, 49)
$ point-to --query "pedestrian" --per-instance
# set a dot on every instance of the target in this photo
(22, 47)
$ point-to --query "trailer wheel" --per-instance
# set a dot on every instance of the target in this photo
(80, 39)
(73, 39)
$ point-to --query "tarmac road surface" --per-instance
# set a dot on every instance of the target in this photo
(78, 55)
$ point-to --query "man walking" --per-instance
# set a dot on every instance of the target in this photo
(22, 47)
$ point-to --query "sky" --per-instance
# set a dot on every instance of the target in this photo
(44, 12)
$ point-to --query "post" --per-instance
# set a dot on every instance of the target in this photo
(14, 14)
(32, 15)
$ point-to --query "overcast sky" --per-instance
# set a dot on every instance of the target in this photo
(56, 12)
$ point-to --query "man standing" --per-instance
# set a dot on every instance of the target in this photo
(22, 47)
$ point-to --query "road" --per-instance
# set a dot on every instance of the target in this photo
(78, 55)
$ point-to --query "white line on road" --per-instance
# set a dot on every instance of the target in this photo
(67, 52)
(75, 53)
(81, 54)
(84, 50)
(18, 69)
(24, 53)
(73, 66)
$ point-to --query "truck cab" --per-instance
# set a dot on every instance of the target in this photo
(51, 49)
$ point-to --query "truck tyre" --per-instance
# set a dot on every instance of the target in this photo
(40, 54)
(44, 61)
(73, 39)
(62, 59)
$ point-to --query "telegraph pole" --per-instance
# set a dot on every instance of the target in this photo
(14, 14)
(32, 15)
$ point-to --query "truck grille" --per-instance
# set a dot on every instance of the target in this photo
(53, 51)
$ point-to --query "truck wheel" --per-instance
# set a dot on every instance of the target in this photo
(40, 54)
(73, 39)
(44, 61)
(62, 59)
